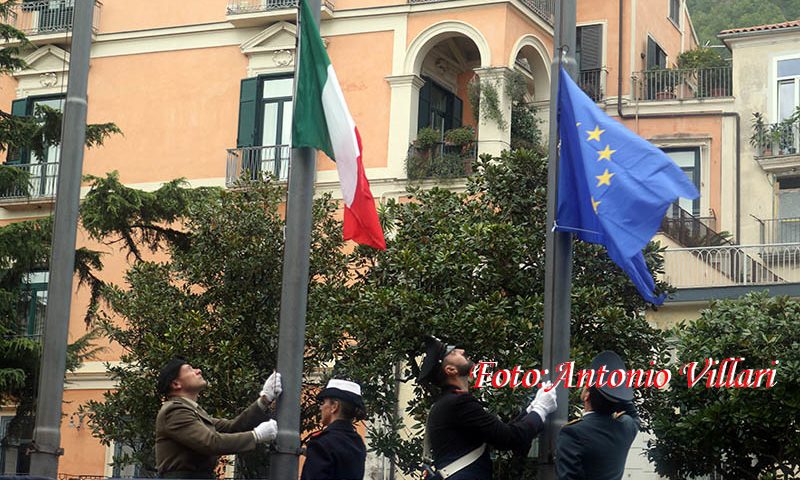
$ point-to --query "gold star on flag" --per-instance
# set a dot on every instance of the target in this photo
(605, 178)
(578, 124)
(595, 204)
(595, 134)
(605, 154)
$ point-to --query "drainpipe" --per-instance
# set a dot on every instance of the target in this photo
(716, 113)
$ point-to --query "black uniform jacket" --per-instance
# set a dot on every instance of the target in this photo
(596, 446)
(458, 423)
(335, 453)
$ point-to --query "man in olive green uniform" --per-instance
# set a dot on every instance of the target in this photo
(188, 440)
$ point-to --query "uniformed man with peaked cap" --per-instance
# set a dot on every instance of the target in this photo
(188, 440)
(595, 447)
(337, 452)
(459, 430)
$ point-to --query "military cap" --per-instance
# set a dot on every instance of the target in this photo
(343, 390)
(435, 351)
(168, 373)
(612, 361)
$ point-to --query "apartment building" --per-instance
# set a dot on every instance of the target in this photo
(203, 90)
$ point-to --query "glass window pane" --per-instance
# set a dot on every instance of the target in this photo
(286, 131)
(278, 87)
(683, 158)
(786, 100)
(788, 68)
(270, 124)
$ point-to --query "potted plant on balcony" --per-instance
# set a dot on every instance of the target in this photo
(710, 71)
(761, 139)
(462, 140)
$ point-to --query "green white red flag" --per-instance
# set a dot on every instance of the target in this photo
(322, 120)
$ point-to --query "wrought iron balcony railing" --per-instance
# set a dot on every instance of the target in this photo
(41, 17)
(256, 163)
(545, 9)
(254, 6)
(777, 139)
(683, 83)
(689, 230)
(780, 230)
(592, 83)
(42, 181)
(732, 265)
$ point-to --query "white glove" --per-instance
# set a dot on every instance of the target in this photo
(266, 431)
(545, 402)
(272, 387)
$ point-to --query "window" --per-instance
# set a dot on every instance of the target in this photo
(129, 471)
(33, 303)
(438, 107)
(689, 161)
(675, 11)
(656, 57)
(265, 124)
(589, 56)
(788, 225)
(42, 172)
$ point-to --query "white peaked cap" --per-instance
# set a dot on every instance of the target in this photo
(345, 386)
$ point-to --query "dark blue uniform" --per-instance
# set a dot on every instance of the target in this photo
(596, 446)
(458, 423)
(335, 453)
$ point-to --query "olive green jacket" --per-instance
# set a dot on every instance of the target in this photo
(189, 440)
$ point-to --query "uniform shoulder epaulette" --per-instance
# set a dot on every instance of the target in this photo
(617, 415)
(573, 421)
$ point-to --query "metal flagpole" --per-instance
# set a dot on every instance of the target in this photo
(294, 298)
(47, 435)
(558, 257)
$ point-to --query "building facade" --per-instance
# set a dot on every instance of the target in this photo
(204, 92)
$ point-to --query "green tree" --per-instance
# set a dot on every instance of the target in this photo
(712, 16)
(469, 267)
(733, 433)
(211, 293)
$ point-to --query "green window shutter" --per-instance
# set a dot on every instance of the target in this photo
(424, 118)
(248, 112)
(591, 39)
(19, 108)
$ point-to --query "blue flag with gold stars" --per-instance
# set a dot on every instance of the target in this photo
(614, 187)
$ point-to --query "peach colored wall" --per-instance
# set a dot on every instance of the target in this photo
(83, 454)
(652, 18)
(463, 81)
(178, 111)
(518, 26)
(118, 16)
(361, 74)
(592, 12)
(490, 20)
(350, 4)
(691, 127)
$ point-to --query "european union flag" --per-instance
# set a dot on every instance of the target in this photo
(613, 187)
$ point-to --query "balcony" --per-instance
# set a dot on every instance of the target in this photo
(689, 230)
(732, 265)
(253, 13)
(779, 230)
(592, 82)
(48, 21)
(42, 179)
(256, 163)
(777, 145)
(683, 84)
(544, 9)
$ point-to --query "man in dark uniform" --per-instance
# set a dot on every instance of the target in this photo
(596, 446)
(188, 440)
(459, 429)
(337, 452)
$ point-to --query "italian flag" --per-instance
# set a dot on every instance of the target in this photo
(322, 121)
